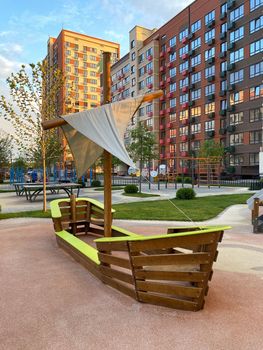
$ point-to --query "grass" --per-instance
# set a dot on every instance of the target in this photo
(198, 209)
(113, 188)
(140, 195)
(5, 191)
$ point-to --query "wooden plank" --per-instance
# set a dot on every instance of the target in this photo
(168, 302)
(64, 204)
(171, 275)
(119, 286)
(117, 274)
(165, 288)
(171, 259)
(112, 246)
(173, 242)
(114, 260)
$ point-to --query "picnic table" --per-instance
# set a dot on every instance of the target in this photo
(33, 190)
(19, 186)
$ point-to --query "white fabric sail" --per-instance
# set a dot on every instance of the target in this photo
(90, 132)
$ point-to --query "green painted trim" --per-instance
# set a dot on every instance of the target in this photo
(124, 231)
(181, 234)
(55, 210)
(81, 246)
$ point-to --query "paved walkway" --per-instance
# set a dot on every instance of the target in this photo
(12, 203)
(48, 301)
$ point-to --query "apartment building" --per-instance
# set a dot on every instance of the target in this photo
(209, 65)
(79, 57)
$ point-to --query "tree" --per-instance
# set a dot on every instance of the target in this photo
(34, 96)
(5, 150)
(142, 147)
(210, 148)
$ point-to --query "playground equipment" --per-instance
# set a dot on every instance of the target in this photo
(254, 202)
(171, 270)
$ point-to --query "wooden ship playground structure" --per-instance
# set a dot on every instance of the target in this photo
(171, 270)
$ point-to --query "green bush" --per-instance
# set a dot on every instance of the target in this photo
(178, 179)
(187, 180)
(95, 183)
(131, 189)
(185, 193)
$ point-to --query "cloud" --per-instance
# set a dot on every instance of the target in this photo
(114, 34)
(7, 66)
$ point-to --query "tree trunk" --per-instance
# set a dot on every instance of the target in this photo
(44, 174)
(140, 181)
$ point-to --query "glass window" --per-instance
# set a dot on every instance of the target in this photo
(254, 4)
(141, 84)
(196, 112)
(183, 114)
(237, 13)
(196, 77)
(172, 72)
(209, 107)
(223, 47)
(223, 28)
(223, 8)
(209, 35)
(133, 56)
(172, 56)
(236, 97)
(236, 77)
(256, 47)
(209, 17)
(223, 85)
(183, 50)
(236, 139)
(209, 53)
(183, 98)
(256, 114)
(196, 128)
(149, 52)
(172, 87)
(236, 118)
(196, 43)
(141, 58)
(254, 158)
(236, 159)
(172, 41)
(183, 34)
(237, 55)
(210, 125)
(223, 66)
(223, 104)
(196, 60)
(209, 89)
(237, 35)
(210, 71)
(256, 92)
(255, 137)
(256, 24)
(256, 69)
(184, 82)
(173, 102)
(196, 26)
(196, 94)
(183, 66)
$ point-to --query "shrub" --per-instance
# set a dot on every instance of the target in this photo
(187, 180)
(95, 183)
(185, 193)
(131, 189)
(178, 179)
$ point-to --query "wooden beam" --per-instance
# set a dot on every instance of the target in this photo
(57, 122)
(107, 155)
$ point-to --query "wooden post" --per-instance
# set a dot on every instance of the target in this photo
(107, 155)
(44, 172)
(255, 211)
(73, 213)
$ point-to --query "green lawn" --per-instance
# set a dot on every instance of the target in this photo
(114, 188)
(198, 209)
(140, 195)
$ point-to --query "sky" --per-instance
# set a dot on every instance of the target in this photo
(25, 25)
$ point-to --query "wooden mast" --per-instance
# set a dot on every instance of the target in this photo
(107, 155)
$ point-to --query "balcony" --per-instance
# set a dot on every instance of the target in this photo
(184, 40)
(231, 4)
(168, 140)
(231, 25)
(222, 93)
(231, 87)
(231, 46)
(211, 78)
(184, 138)
(193, 120)
(230, 149)
(191, 69)
(162, 68)
(161, 127)
(161, 155)
(150, 72)
(168, 110)
(185, 56)
(191, 103)
(223, 74)
(169, 50)
(185, 105)
(184, 89)
(222, 36)
(169, 95)
(211, 97)
(223, 15)
(211, 60)
(222, 131)
(184, 154)
(231, 108)
(162, 84)
(222, 54)
(162, 53)
(191, 35)
(168, 80)
(184, 73)
(169, 65)
(162, 98)
(231, 128)
(192, 86)
(210, 133)
(162, 112)
(222, 112)
(149, 86)
(191, 52)
(211, 115)
(149, 58)
(185, 122)
(210, 24)
(161, 142)
(211, 42)
(150, 114)
(169, 125)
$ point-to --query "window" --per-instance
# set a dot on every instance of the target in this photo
(209, 89)
(236, 97)
(223, 66)
(172, 41)
(141, 111)
(209, 35)
(92, 58)
(183, 147)
(223, 85)
(183, 50)
(223, 28)
(236, 77)
(210, 125)
(183, 115)
(133, 56)
(256, 92)
(237, 55)
(149, 66)
(256, 24)
(210, 71)
(183, 98)
(133, 81)
(223, 47)
(141, 58)
(237, 13)
(196, 128)
(196, 43)
(149, 108)
(255, 137)
(223, 104)
(236, 118)
(149, 52)
(209, 53)
(254, 4)
(195, 145)
(256, 114)
(149, 80)
(92, 73)
(173, 103)
(236, 159)
(172, 56)
(141, 85)
(132, 69)
(172, 87)
(256, 47)
(172, 72)
(195, 78)
(68, 52)
(196, 112)
(196, 94)
(141, 71)
(236, 139)
(237, 35)
(183, 34)
(149, 122)
(183, 66)
(163, 48)
(68, 68)
(184, 82)
(132, 44)
(196, 26)
(253, 158)
(256, 69)
(196, 60)
(223, 8)
(209, 17)
(93, 81)
(183, 130)
(209, 108)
